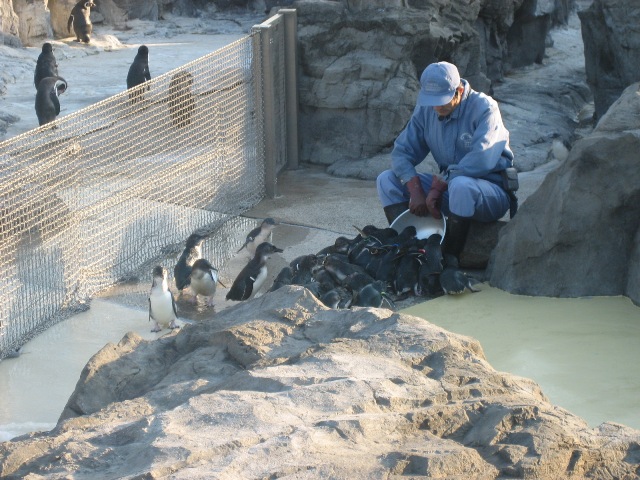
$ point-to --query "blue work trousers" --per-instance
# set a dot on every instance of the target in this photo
(466, 197)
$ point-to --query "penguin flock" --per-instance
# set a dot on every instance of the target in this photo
(375, 268)
(50, 85)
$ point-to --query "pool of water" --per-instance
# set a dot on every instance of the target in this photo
(583, 352)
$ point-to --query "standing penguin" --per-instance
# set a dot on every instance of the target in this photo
(81, 21)
(204, 280)
(139, 74)
(181, 102)
(47, 102)
(162, 305)
(253, 275)
(258, 235)
(182, 270)
(46, 66)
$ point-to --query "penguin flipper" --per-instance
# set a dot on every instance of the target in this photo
(69, 23)
(55, 101)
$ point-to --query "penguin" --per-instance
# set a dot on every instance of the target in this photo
(253, 275)
(283, 278)
(46, 65)
(341, 245)
(372, 295)
(182, 270)
(303, 268)
(162, 305)
(181, 102)
(204, 280)
(81, 21)
(258, 235)
(453, 280)
(139, 74)
(356, 281)
(338, 297)
(47, 101)
(340, 269)
(431, 266)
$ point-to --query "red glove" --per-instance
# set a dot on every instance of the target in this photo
(417, 197)
(433, 201)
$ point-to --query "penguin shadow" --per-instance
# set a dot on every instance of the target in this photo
(181, 100)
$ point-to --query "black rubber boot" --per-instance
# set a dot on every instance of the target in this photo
(456, 235)
(394, 211)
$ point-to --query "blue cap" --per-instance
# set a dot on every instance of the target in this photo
(438, 84)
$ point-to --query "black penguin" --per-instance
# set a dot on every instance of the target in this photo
(46, 65)
(339, 268)
(372, 295)
(338, 297)
(181, 101)
(182, 270)
(81, 21)
(139, 74)
(47, 102)
(431, 266)
(253, 275)
(258, 235)
(303, 268)
(453, 280)
(283, 278)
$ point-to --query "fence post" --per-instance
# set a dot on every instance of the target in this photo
(268, 101)
(291, 84)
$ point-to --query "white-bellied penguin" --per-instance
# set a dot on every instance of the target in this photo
(258, 235)
(253, 275)
(162, 305)
(204, 280)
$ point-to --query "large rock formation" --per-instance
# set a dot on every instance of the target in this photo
(579, 233)
(9, 24)
(281, 386)
(612, 49)
(360, 61)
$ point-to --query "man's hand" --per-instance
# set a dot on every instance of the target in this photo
(417, 199)
(434, 198)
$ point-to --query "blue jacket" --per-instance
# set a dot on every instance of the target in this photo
(472, 141)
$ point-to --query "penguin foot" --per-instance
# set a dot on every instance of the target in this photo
(156, 329)
(173, 325)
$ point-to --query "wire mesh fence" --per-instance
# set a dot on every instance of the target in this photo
(89, 199)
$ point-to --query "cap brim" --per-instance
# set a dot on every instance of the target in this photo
(425, 100)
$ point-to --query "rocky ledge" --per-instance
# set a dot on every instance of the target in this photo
(280, 386)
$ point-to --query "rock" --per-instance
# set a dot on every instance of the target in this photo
(35, 22)
(9, 24)
(360, 62)
(611, 45)
(282, 386)
(577, 235)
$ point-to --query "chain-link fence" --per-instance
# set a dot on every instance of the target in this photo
(87, 200)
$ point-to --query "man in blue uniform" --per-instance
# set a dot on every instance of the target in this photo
(463, 130)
